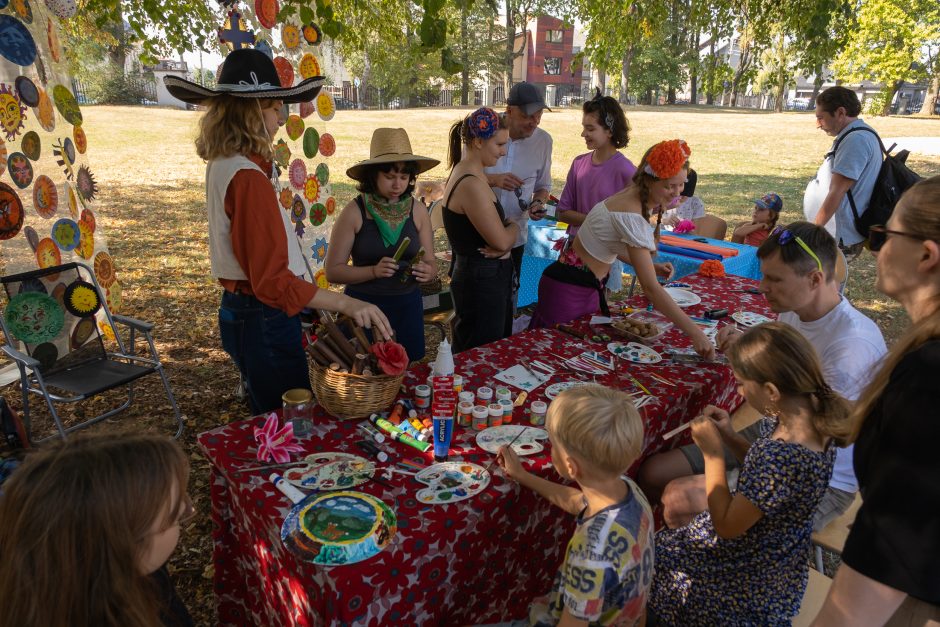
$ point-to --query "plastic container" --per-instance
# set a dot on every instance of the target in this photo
(649, 317)
(481, 416)
(537, 411)
(465, 413)
(484, 395)
(496, 415)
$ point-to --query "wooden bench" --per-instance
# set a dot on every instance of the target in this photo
(816, 591)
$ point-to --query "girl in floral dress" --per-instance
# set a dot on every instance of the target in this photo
(744, 560)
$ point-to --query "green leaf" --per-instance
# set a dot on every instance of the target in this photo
(450, 62)
(433, 6)
(332, 28)
(433, 32)
(285, 13)
(306, 14)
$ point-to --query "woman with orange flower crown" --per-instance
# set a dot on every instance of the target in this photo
(618, 228)
(253, 251)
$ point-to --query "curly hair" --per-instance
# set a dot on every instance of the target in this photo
(233, 126)
(609, 115)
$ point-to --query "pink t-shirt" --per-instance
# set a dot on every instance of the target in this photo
(756, 238)
(588, 184)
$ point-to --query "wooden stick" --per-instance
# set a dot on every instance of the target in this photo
(677, 430)
(318, 357)
(337, 336)
(360, 363)
(329, 352)
(361, 336)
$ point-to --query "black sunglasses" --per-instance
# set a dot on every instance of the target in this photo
(878, 235)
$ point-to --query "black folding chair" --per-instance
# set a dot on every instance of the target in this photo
(51, 327)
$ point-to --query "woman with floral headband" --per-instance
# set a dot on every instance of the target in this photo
(479, 234)
(619, 228)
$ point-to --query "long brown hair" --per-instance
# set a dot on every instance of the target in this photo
(776, 353)
(643, 181)
(918, 212)
(74, 524)
(233, 126)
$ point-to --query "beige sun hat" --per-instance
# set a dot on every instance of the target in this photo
(390, 145)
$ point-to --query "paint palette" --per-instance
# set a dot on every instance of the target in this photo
(683, 298)
(449, 482)
(749, 318)
(635, 352)
(338, 528)
(557, 388)
(331, 471)
(494, 438)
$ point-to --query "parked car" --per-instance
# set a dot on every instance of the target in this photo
(798, 104)
(344, 103)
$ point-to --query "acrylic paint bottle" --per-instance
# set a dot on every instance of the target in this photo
(496, 415)
(507, 410)
(537, 411)
(484, 395)
(481, 417)
(423, 396)
(465, 413)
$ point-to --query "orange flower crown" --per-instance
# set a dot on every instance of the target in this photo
(711, 268)
(666, 159)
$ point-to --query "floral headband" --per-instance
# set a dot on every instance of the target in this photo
(482, 123)
(666, 159)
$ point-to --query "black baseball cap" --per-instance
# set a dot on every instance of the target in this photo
(527, 97)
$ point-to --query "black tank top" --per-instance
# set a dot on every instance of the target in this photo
(368, 249)
(464, 238)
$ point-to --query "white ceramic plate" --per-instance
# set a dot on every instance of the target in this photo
(749, 318)
(494, 438)
(449, 482)
(683, 298)
(635, 352)
(331, 470)
(557, 388)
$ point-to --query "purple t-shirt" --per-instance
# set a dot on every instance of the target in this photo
(588, 184)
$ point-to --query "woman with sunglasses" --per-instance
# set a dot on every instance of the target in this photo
(889, 572)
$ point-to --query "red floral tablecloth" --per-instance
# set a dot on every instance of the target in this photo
(478, 560)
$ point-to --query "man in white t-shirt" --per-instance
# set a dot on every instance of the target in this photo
(798, 266)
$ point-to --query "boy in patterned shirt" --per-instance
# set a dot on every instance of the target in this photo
(596, 434)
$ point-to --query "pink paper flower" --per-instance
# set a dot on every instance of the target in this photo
(684, 226)
(274, 443)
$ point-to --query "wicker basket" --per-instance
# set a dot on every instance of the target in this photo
(350, 396)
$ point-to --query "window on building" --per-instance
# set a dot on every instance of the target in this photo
(553, 65)
(553, 36)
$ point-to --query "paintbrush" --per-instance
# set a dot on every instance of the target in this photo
(638, 384)
(662, 379)
(521, 431)
(297, 463)
(677, 430)
(528, 368)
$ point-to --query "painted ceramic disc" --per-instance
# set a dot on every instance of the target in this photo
(85, 183)
(311, 142)
(47, 253)
(266, 12)
(326, 108)
(45, 112)
(82, 299)
(32, 237)
(66, 234)
(81, 141)
(52, 38)
(330, 205)
(557, 388)
(82, 332)
(114, 297)
(282, 153)
(323, 173)
(27, 91)
(297, 173)
(104, 269)
(331, 471)
(285, 71)
(327, 145)
(338, 528)
(494, 438)
(285, 198)
(34, 317)
(635, 352)
(12, 113)
(86, 245)
(16, 42)
(58, 293)
(311, 188)
(317, 214)
(30, 145)
(11, 212)
(105, 329)
(66, 104)
(298, 211)
(683, 298)
(749, 318)
(290, 36)
(21, 170)
(309, 66)
(312, 34)
(294, 126)
(3, 156)
(449, 482)
(22, 8)
(306, 109)
(46, 354)
(88, 219)
(45, 196)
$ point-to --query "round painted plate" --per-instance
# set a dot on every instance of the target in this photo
(66, 104)
(297, 173)
(34, 317)
(31, 146)
(749, 318)
(81, 299)
(26, 90)
(323, 173)
(326, 107)
(16, 42)
(11, 212)
(20, 169)
(266, 12)
(449, 482)
(327, 145)
(294, 126)
(285, 71)
(309, 66)
(312, 34)
(494, 438)
(45, 196)
(683, 298)
(331, 471)
(338, 528)
(311, 142)
(66, 234)
(635, 352)
(557, 388)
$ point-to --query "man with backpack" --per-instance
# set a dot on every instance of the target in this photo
(849, 170)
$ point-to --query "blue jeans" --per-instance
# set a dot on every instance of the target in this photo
(266, 345)
(482, 293)
(405, 312)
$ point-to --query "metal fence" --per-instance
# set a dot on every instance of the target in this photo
(351, 97)
(145, 87)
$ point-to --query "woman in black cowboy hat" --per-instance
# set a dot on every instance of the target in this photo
(253, 250)
(374, 226)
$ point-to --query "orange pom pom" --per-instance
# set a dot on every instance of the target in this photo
(712, 268)
(666, 159)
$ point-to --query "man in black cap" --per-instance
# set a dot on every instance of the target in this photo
(522, 180)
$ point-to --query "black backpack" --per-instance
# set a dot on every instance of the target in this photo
(893, 180)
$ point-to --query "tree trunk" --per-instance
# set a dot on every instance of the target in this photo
(625, 74)
(693, 71)
(886, 109)
(366, 78)
(510, 46)
(712, 68)
(781, 74)
(743, 64)
(464, 58)
(817, 85)
(930, 100)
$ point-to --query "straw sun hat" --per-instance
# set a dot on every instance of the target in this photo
(390, 145)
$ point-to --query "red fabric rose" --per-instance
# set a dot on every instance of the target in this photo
(392, 357)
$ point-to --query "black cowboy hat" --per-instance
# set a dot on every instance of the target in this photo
(245, 73)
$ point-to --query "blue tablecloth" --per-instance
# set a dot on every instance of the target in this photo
(539, 254)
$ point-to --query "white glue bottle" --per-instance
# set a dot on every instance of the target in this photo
(444, 364)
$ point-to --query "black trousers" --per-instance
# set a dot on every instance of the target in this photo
(482, 292)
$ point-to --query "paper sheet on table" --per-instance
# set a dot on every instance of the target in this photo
(519, 377)
(601, 319)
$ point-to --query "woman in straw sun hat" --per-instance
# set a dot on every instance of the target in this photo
(252, 247)
(373, 227)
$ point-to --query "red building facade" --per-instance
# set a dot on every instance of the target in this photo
(549, 58)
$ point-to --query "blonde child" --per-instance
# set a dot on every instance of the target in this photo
(596, 434)
(86, 528)
(764, 218)
(743, 561)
